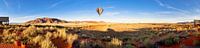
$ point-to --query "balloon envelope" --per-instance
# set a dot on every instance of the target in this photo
(99, 11)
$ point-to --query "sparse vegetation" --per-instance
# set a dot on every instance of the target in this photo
(43, 36)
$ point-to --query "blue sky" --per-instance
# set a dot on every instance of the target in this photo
(123, 11)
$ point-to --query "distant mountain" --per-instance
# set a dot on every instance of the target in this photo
(87, 21)
(185, 22)
(47, 20)
(55, 20)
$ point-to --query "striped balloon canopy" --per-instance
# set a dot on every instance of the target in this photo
(99, 11)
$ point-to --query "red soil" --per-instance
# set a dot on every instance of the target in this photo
(186, 42)
(9, 46)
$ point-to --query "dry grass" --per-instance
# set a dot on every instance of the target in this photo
(71, 38)
(62, 33)
(47, 44)
(116, 42)
(38, 39)
(48, 35)
(30, 31)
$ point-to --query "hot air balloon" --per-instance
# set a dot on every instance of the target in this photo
(99, 11)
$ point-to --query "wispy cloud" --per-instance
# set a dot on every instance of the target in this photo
(55, 4)
(165, 16)
(6, 3)
(110, 7)
(170, 7)
(111, 13)
(24, 18)
(19, 4)
(159, 2)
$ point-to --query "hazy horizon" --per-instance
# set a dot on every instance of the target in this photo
(98, 21)
(122, 11)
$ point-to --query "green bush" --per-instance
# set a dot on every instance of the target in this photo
(196, 42)
(169, 41)
(129, 46)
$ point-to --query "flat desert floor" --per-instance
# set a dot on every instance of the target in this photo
(104, 26)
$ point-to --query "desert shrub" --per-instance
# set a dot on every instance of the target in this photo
(25, 40)
(62, 33)
(91, 44)
(8, 39)
(76, 44)
(196, 42)
(71, 38)
(148, 43)
(52, 27)
(183, 34)
(169, 41)
(47, 44)
(38, 39)
(129, 46)
(48, 35)
(126, 39)
(197, 34)
(116, 41)
(55, 35)
(82, 44)
(8, 31)
(30, 31)
(95, 45)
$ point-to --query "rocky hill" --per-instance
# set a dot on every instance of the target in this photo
(47, 20)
